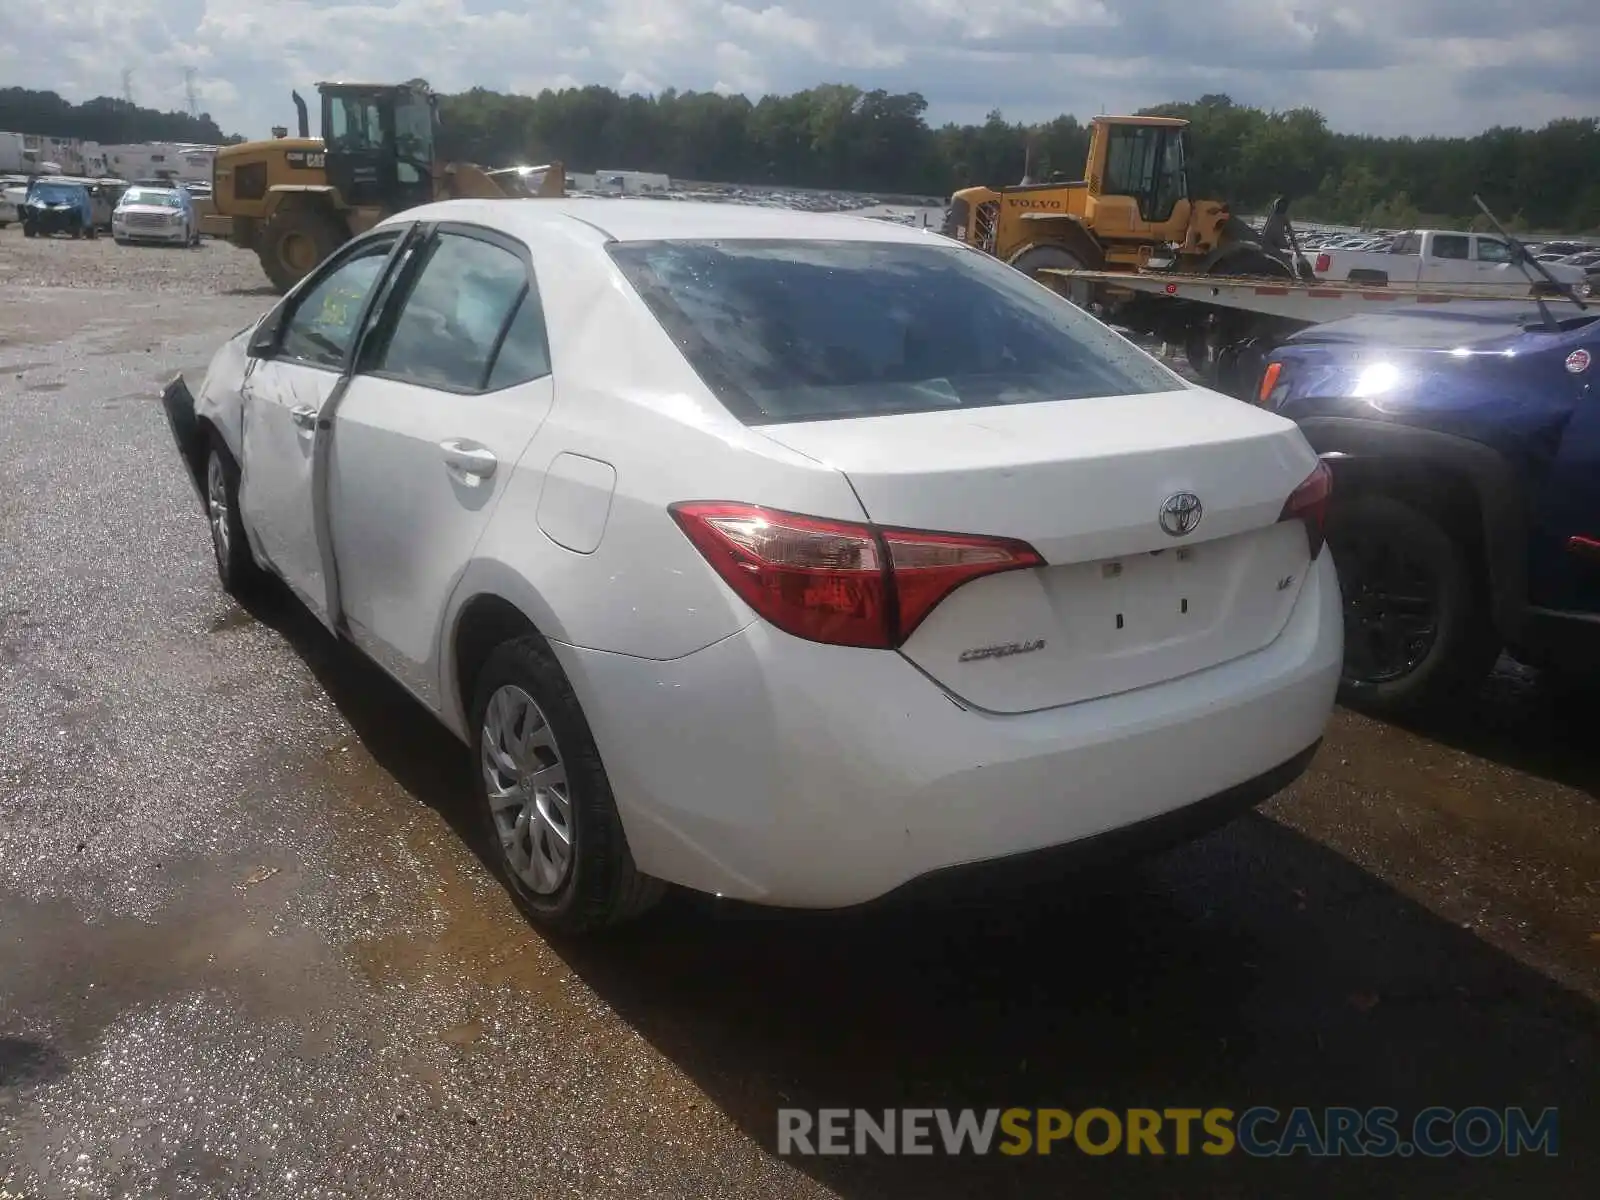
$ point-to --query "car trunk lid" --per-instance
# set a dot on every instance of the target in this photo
(1122, 602)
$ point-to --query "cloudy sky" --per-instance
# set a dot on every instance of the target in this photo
(1382, 66)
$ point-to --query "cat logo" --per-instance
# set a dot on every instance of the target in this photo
(306, 160)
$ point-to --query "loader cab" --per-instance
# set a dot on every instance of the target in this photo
(379, 142)
(1144, 160)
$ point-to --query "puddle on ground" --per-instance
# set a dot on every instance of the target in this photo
(475, 930)
(234, 618)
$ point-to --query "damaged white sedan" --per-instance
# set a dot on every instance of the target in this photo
(794, 558)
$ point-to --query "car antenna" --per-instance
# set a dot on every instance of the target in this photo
(1525, 260)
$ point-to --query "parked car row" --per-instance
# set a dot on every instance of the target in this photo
(147, 211)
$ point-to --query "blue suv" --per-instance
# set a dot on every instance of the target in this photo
(1465, 444)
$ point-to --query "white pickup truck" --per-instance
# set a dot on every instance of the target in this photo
(1472, 260)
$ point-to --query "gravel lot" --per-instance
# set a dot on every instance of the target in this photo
(248, 946)
(213, 269)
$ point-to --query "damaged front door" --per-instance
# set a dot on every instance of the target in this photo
(289, 384)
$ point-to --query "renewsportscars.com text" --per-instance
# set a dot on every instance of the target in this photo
(1260, 1131)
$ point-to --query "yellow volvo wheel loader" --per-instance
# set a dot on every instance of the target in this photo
(294, 200)
(1132, 206)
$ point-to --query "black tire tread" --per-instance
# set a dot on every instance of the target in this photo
(1468, 643)
(320, 226)
(242, 577)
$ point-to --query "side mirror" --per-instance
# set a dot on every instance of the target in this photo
(264, 341)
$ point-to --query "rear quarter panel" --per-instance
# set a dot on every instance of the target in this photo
(625, 396)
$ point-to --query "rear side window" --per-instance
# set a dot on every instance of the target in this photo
(1450, 245)
(524, 353)
(813, 330)
(452, 322)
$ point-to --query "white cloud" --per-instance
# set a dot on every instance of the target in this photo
(1385, 66)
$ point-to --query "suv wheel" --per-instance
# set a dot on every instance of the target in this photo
(552, 825)
(1418, 631)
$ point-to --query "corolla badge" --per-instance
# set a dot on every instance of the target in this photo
(1180, 513)
(1578, 362)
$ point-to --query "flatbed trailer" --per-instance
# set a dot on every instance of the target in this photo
(1227, 324)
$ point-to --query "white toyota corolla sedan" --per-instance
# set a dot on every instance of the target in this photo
(795, 558)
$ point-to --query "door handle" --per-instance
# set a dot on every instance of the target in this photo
(468, 459)
(304, 416)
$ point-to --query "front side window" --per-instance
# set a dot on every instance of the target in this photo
(355, 123)
(1131, 160)
(413, 137)
(452, 322)
(323, 325)
(1491, 250)
(814, 330)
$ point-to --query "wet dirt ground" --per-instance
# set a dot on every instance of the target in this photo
(248, 946)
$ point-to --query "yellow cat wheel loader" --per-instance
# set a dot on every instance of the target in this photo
(295, 200)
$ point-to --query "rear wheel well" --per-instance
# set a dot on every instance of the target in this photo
(485, 622)
(1445, 494)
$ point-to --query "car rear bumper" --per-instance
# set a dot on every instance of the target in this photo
(771, 769)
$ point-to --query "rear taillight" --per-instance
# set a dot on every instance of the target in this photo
(1309, 503)
(840, 582)
(1324, 261)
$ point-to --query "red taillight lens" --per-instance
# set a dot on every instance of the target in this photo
(840, 582)
(1309, 503)
(1324, 261)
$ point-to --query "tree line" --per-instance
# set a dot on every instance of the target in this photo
(105, 119)
(845, 137)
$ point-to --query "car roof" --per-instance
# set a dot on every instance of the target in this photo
(650, 220)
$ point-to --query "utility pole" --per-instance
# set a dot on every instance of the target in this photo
(127, 84)
(189, 92)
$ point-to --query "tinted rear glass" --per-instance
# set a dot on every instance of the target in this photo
(813, 330)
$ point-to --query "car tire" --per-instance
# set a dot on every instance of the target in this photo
(1438, 669)
(92, 234)
(1055, 258)
(523, 693)
(240, 574)
(308, 228)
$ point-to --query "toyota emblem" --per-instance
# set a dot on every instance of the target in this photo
(1180, 513)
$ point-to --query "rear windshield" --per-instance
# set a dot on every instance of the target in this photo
(815, 330)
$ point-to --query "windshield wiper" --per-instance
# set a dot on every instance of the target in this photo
(1524, 260)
